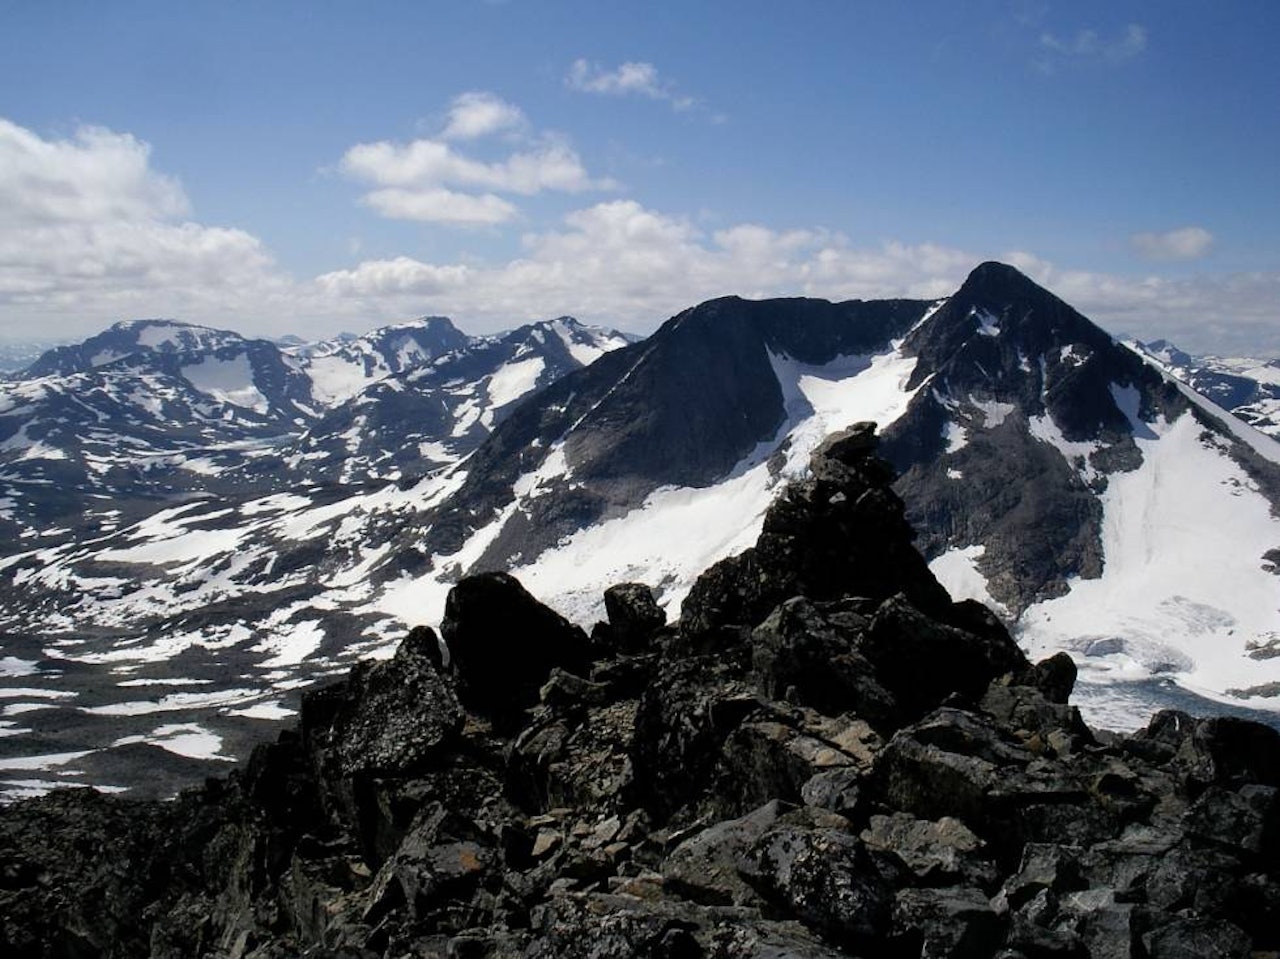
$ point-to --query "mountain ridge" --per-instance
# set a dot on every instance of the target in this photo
(220, 609)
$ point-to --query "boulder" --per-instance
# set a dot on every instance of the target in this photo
(503, 644)
(945, 923)
(941, 852)
(396, 716)
(804, 655)
(634, 615)
(923, 661)
(826, 878)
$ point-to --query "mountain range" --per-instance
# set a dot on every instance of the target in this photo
(168, 589)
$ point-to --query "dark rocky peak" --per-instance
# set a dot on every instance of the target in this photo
(836, 534)
(1002, 337)
(419, 340)
(701, 392)
(805, 329)
(1167, 353)
(1034, 406)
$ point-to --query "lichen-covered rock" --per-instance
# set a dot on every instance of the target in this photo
(811, 656)
(940, 853)
(826, 877)
(397, 715)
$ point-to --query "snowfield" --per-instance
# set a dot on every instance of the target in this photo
(1157, 611)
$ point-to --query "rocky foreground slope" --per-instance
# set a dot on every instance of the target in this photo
(825, 757)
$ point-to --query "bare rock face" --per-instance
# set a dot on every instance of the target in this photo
(824, 758)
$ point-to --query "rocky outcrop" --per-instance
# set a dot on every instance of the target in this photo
(825, 757)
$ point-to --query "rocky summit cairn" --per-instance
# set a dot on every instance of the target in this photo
(824, 757)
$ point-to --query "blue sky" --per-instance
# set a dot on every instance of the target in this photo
(310, 167)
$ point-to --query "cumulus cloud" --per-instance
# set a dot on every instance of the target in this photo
(1187, 243)
(479, 114)
(1090, 45)
(91, 232)
(429, 179)
(440, 206)
(635, 78)
(89, 228)
(619, 262)
(623, 264)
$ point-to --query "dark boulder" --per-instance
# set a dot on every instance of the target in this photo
(503, 644)
(683, 719)
(826, 877)
(396, 716)
(634, 615)
(810, 656)
(942, 923)
(1198, 939)
(923, 662)
(941, 852)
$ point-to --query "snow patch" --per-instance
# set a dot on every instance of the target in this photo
(957, 570)
(173, 702)
(514, 380)
(994, 413)
(988, 324)
(1075, 452)
(291, 647)
(183, 739)
(230, 381)
(272, 710)
(13, 666)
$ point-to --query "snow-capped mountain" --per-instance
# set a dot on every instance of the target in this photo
(342, 367)
(418, 410)
(1098, 504)
(99, 434)
(1249, 388)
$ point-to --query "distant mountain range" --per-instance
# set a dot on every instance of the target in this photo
(99, 434)
(199, 525)
(1249, 388)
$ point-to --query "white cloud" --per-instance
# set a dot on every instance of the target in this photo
(89, 230)
(622, 264)
(91, 233)
(1187, 243)
(427, 179)
(1089, 45)
(635, 78)
(426, 164)
(619, 262)
(96, 175)
(478, 114)
(440, 206)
